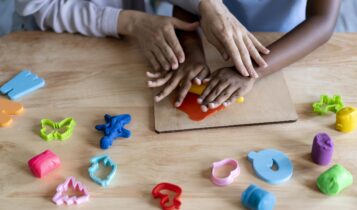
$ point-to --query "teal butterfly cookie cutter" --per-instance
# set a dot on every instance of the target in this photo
(93, 169)
(60, 130)
(328, 104)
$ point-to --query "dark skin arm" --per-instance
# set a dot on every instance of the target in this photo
(317, 29)
(193, 69)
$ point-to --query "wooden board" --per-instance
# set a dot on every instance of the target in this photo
(268, 102)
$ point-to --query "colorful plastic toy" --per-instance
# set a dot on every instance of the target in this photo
(322, 149)
(60, 130)
(62, 198)
(23, 83)
(232, 175)
(346, 119)
(113, 128)
(165, 199)
(198, 90)
(107, 162)
(7, 108)
(334, 180)
(44, 163)
(256, 198)
(327, 104)
(264, 161)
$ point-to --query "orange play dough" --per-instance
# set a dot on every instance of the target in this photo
(7, 108)
(193, 109)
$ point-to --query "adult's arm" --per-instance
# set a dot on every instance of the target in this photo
(77, 16)
(317, 29)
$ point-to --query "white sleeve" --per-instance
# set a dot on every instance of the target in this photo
(189, 5)
(73, 16)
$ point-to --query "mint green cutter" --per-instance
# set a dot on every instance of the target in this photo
(61, 130)
(328, 104)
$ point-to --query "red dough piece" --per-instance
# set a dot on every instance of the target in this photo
(43, 163)
(193, 109)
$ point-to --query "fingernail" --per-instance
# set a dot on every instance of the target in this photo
(177, 104)
(181, 59)
(199, 100)
(212, 105)
(225, 104)
(157, 98)
(198, 81)
(204, 108)
(175, 66)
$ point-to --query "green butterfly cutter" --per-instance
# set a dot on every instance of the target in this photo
(60, 130)
(328, 104)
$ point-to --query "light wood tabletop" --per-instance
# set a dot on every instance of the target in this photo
(88, 77)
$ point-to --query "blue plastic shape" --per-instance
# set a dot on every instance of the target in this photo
(256, 198)
(92, 170)
(113, 128)
(23, 83)
(264, 161)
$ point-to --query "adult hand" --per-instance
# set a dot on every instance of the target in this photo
(230, 37)
(224, 88)
(156, 36)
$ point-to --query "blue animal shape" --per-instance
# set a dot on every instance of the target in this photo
(113, 128)
(23, 83)
(263, 162)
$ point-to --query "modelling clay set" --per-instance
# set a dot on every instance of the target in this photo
(270, 165)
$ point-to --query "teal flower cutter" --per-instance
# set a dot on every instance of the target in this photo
(62, 130)
(93, 169)
(328, 104)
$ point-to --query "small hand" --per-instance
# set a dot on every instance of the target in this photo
(224, 88)
(230, 37)
(194, 68)
(156, 36)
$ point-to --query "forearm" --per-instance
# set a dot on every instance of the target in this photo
(188, 5)
(190, 40)
(82, 16)
(309, 35)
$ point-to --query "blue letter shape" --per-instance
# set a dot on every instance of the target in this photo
(263, 162)
(22, 84)
(113, 128)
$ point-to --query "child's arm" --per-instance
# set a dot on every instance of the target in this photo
(156, 35)
(309, 35)
(194, 68)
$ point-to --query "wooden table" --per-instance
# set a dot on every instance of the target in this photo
(88, 77)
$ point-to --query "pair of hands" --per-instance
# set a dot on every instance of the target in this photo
(224, 88)
(156, 36)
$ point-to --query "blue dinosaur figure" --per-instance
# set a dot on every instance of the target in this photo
(113, 128)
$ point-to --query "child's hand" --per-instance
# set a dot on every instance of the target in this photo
(156, 36)
(194, 68)
(224, 88)
(231, 38)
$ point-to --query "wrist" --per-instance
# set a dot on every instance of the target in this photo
(207, 4)
(127, 21)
